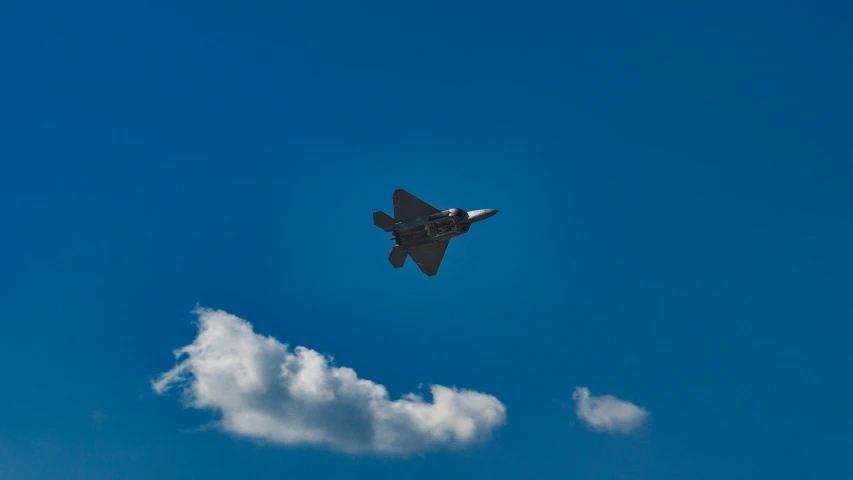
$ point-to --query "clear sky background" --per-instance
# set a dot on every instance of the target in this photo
(675, 191)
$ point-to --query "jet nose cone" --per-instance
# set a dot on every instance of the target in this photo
(480, 215)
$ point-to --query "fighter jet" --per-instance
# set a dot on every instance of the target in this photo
(423, 231)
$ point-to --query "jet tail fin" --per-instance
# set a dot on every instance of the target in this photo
(383, 221)
(398, 256)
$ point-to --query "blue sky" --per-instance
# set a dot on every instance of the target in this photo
(674, 186)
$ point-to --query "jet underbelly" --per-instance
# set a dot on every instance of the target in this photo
(443, 228)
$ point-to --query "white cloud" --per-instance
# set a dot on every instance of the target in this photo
(265, 391)
(608, 413)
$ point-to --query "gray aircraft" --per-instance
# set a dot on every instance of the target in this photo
(423, 231)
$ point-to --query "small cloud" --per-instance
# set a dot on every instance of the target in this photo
(607, 413)
(267, 391)
(99, 416)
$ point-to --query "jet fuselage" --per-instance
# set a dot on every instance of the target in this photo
(445, 224)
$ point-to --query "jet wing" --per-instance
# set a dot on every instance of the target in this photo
(429, 256)
(409, 207)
